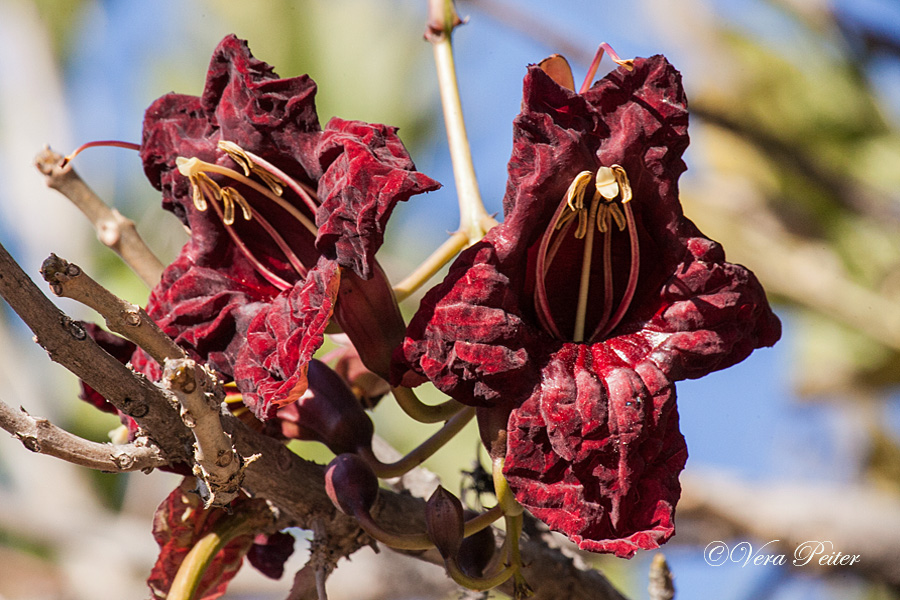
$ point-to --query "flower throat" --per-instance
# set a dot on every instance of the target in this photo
(593, 205)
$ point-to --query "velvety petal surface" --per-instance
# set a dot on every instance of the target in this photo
(367, 171)
(272, 364)
(179, 523)
(593, 446)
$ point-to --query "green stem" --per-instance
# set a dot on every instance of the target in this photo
(421, 541)
(421, 412)
(440, 257)
(421, 453)
(194, 565)
(474, 219)
(479, 584)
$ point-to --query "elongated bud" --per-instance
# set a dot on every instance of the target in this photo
(328, 412)
(367, 312)
(445, 523)
(351, 484)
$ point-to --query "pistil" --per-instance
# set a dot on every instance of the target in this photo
(98, 144)
(610, 189)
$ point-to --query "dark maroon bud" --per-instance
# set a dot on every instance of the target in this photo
(351, 484)
(367, 312)
(327, 412)
(477, 550)
(444, 522)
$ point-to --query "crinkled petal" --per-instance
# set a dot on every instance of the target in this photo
(271, 366)
(592, 430)
(468, 337)
(367, 171)
(206, 311)
(598, 457)
(180, 522)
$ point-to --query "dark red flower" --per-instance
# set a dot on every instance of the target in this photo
(247, 168)
(570, 322)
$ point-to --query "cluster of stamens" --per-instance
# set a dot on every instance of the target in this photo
(609, 203)
(206, 192)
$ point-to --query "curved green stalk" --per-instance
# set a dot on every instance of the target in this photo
(421, 453)
(421, 412)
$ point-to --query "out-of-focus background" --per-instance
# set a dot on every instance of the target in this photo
(794, 166)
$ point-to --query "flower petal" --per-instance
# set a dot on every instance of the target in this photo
(367, 171)
(270, 369)
(598, 458)
(179, 523)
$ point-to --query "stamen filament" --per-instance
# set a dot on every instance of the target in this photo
(587, 257)
(287, 206)
(100, 143)
(301, 189)
(607, 280)
(298, 266)
(268, 275)
(634, 271)
(542, 302)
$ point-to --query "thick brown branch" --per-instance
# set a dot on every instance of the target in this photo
(43, 437)
(113, 230)
(217, 465)
(68, 344)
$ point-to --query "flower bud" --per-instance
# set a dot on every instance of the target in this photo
(367, 312)
(351, 484)
(444, 522)
(327, 412)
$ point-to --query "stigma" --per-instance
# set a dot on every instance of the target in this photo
(597, 206)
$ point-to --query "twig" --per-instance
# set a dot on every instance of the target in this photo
(67, 343)
(67, 280)
(113, 230)
(43, 437)
(474, 219)
(217, 465)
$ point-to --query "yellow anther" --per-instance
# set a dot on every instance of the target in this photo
(617, 216)
(575, 193)
(237, 154)
(230, 197)
(240, 156)
(622, 180)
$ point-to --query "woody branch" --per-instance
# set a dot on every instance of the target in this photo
(294, 486)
